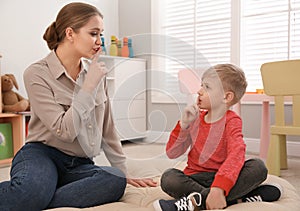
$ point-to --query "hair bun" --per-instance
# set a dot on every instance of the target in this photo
(51, 36)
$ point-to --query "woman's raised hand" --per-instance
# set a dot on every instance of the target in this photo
(96, 72)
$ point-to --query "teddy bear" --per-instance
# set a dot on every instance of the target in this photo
(11, 100)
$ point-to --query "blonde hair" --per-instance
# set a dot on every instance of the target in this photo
(74, 15)
(232, 78)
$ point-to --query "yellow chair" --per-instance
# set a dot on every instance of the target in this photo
(281, 79)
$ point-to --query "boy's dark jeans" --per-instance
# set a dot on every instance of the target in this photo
(175, 183)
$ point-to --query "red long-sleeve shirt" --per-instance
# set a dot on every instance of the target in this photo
(218, 147)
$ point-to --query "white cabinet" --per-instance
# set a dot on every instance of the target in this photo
(126, 81)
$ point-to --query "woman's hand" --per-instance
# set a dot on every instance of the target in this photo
(96, 72)
(146, 182)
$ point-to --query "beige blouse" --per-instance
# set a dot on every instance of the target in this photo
(66, 117)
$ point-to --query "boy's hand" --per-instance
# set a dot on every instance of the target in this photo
(216, 199)
(190, 113)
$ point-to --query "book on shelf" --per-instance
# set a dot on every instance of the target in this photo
(6, 141)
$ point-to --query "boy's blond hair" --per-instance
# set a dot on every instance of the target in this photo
(232, 78)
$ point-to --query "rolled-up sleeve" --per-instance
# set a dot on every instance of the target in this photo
(111, 143)
(85, 124)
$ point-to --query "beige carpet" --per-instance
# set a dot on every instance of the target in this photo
(145, 154)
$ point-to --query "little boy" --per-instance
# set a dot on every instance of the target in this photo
(216, 175)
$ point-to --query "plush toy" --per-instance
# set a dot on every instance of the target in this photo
(12, 101)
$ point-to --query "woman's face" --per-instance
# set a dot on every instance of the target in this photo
(88, 41)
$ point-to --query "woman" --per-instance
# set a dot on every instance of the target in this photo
(70, 121)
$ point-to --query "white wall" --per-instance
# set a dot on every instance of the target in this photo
(23, 24)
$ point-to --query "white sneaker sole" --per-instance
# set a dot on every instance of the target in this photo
(156, 206)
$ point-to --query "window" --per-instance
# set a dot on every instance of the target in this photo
(201, 33)
(270, 31)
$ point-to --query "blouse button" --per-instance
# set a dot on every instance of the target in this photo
(90, 126)
(58, 131)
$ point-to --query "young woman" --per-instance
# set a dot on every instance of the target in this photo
(70, 122)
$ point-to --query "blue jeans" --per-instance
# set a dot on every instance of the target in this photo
(176, 184)
(43, 177)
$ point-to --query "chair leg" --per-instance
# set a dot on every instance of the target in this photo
(283, 152)
(273, 158)
(264, 131)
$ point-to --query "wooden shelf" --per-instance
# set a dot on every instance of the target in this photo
(5, 162)
(16, 121)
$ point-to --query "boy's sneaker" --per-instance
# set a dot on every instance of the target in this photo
(186, 203)
(265, 192)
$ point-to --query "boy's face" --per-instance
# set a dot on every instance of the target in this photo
(211, 95)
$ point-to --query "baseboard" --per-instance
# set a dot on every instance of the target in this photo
(253, 144)
(293, 147)
(158, 137)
